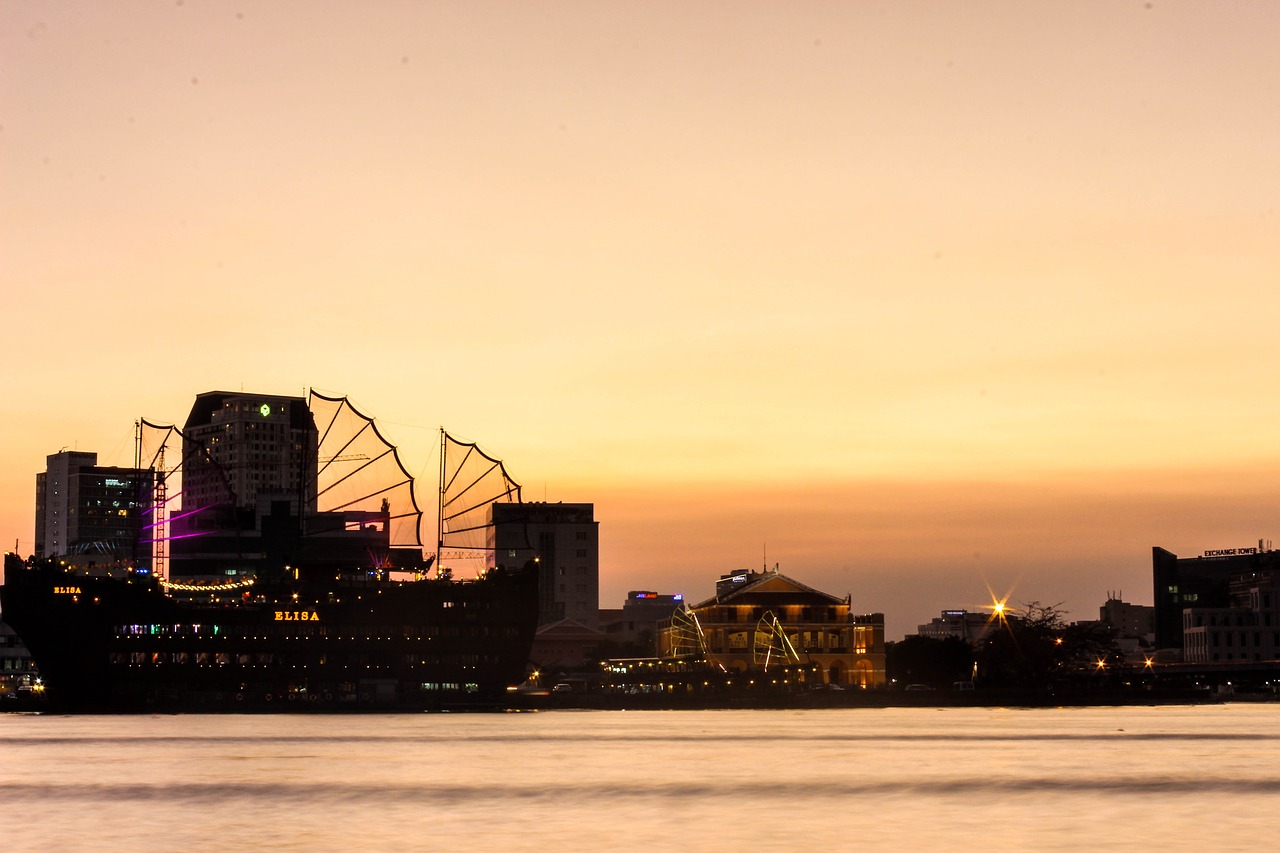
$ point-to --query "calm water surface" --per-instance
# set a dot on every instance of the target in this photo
(1166, 778)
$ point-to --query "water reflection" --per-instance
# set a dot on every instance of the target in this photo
(880, 779)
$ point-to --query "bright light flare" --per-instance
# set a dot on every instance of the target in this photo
(999, 606)
(1000, 610)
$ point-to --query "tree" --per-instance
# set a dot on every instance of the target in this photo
(1036, 648)
(929, 660)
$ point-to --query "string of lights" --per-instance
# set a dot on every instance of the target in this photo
(200, 587)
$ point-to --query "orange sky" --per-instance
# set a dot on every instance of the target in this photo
(915, 298)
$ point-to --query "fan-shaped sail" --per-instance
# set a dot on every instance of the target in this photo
(685, 638)
(357, 469)
(771, 643)
(470, 482)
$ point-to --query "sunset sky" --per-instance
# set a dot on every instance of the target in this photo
(914, 299)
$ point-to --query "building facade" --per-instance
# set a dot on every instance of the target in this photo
(1127, 620)
(971, 627)
(17, 669)
(564, 539)
(565, 645)
(1247, 630)
(637, 622)
(1199, 582)
(86, 512)
(819, 628)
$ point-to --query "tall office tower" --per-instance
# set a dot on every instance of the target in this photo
(240, 448)
(565, 540)
(248, 477)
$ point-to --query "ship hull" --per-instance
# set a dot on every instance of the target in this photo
(105, 644)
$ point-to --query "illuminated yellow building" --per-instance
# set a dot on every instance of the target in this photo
(758, 619)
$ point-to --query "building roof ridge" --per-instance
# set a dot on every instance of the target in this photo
(762, 577)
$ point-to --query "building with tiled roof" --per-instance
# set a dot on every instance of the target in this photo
(760, 618)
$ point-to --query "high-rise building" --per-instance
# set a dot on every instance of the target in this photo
(565, 540)
(242, 448)
(86, 510)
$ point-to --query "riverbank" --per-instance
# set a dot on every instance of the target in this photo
(880, 699)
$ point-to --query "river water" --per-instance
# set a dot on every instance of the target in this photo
(1131, 778)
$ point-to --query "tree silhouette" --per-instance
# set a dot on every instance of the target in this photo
(1036, 648)
(929, 660)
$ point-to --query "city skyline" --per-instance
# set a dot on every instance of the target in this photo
(915, 301)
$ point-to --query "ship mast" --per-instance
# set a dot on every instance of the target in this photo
(152, 481)
(137, 491)
(440, 507)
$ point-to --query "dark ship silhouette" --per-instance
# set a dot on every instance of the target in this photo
(278, 565)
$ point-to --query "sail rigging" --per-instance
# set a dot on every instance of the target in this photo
(243, 463)
(167, 511)
(357, 469)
